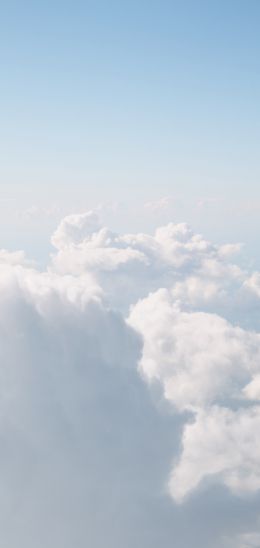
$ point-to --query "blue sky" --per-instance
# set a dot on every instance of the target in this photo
(130, 102)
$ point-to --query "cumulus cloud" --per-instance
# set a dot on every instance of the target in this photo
(222, 446)
(74, 229)
(211, 368)
(200, 358)
(129, 381)
(129, 266)
(80, 436)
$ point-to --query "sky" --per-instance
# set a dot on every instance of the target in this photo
(129, 274)
(128, 103)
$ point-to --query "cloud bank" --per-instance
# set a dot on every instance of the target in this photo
(130, 387)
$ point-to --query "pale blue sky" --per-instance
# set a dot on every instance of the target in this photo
(128, 102)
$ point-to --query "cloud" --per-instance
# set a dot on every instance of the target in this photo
(199, 358)
(210, 368)
(40, 213)
(14, 258)
(74, 229)
(250, 540)
(81, 439)
(222, 446)
(158, 205)
(129, 383)
(245, 540)
(129, 266)
(253, 283)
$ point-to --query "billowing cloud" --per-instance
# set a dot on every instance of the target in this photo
(130, 381)
(200, 358)
(221, 446)
(130, 266)
(80, 437)
(212, 369)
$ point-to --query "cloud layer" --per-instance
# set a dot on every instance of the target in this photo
(130, 381)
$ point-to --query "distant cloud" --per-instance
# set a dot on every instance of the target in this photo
(246, 540)
(38, 213)
(209, 202)
(159, 205)
(14, 258)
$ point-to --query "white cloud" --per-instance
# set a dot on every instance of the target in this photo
(222, 446)
(36, 212)
(253, 283)
(79, 399)
(202, 361)
(200, 358)
(76, 422)
(74, 229)
(158, 205)
(14, 258)
(229, 250)
(129, 266)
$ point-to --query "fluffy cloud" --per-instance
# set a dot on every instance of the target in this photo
(74, 229)
(128, 373)
(221, 445)
(200, 358)
(80, 437)
(253, 283)
(13, 258)
(211, 368)
(129, 266)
